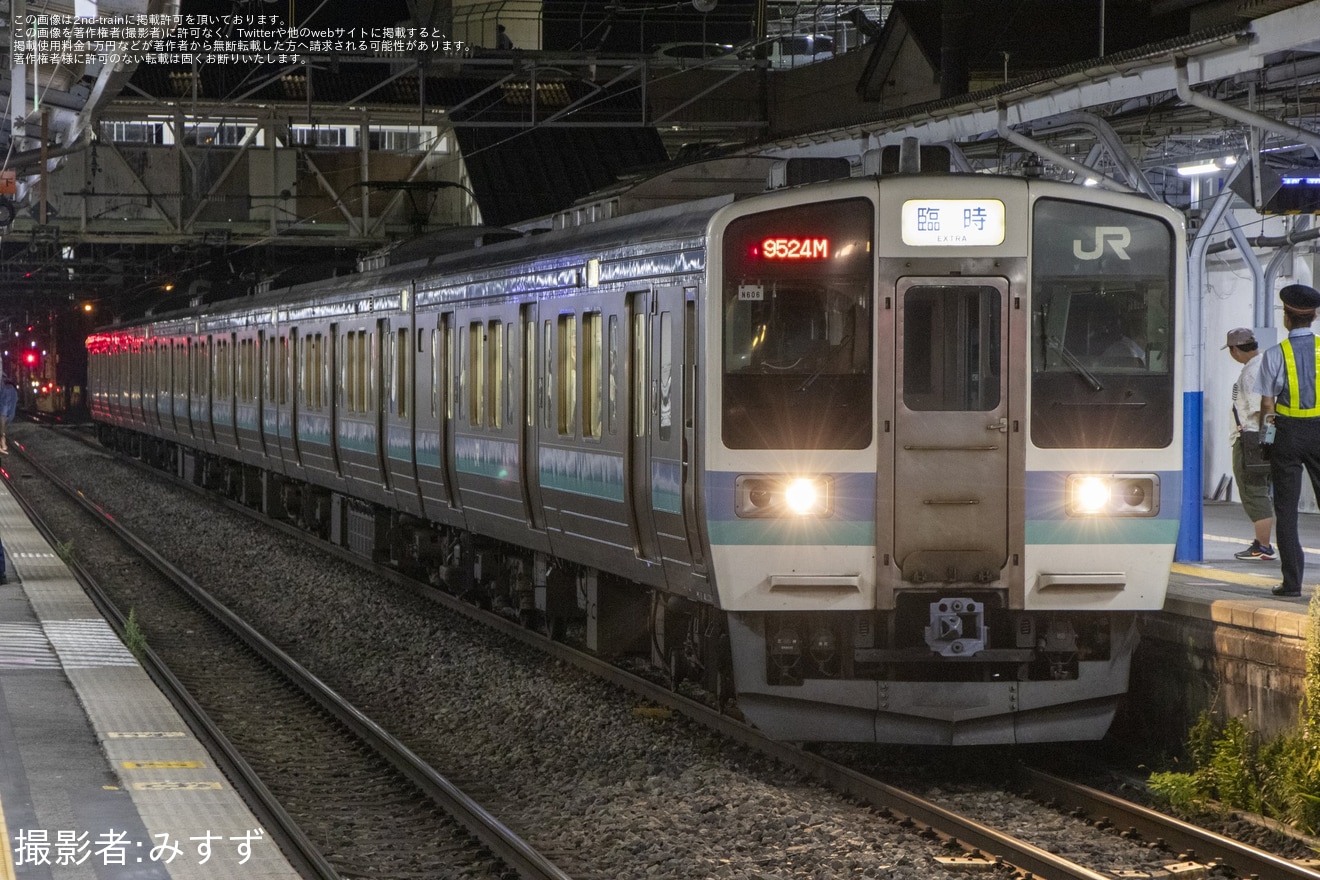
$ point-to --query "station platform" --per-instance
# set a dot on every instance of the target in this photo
(99, 776)
(1221, 586)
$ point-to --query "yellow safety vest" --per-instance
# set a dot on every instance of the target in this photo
(1290, 362)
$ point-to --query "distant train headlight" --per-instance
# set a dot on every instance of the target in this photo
(1112, 495)
(759, 496)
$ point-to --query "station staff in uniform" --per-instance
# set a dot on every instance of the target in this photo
(1288, 399)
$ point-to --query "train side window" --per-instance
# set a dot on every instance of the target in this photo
(509, 332)
(567, 386)
(367, 372)
(476, 367)
(446, 365)
(282, 368)
(611, 377)
(495, 374)
(666, 375)
(640, 407)
(548, 377)
(529, 372)
(434, 372)
(592, 350)
(349, 346)
(401, 372)
(460, 371)
(270, 358)
(319, 375)
(303, 355)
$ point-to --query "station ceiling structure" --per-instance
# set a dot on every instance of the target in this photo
(133, 184)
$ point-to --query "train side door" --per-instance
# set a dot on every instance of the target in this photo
(669, 371)
(450, 401)
(530, 396)
(293, 365)
(381, 366)
(951, 430)
(264, 383)
(337, 392)
(656, 448)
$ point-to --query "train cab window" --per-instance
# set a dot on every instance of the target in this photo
(566, 389)
(796, 328)
(1102, 335)
(592, 349)
(951, 348)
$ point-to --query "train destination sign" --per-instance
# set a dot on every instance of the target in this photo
(804, 248)
(953, 222)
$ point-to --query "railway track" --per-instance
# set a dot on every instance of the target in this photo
(956, 842)
(348, 799)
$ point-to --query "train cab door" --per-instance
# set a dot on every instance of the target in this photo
(952, 438)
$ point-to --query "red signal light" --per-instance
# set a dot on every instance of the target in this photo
(30, 358)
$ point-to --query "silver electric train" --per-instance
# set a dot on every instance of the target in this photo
(892, 459)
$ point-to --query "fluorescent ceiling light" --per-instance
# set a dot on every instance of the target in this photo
(1198, 168)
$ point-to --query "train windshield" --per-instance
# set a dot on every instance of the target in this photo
(1102, 334)
(797, 312)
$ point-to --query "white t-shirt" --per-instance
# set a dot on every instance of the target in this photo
(1246, 398)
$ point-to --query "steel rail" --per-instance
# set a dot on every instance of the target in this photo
(497, 837)
(303, 855)
(973, 837)
(1246, 860)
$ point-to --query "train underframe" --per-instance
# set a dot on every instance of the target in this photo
(1003, 676)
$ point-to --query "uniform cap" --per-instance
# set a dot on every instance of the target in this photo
(1300, 299)
(1240, 336)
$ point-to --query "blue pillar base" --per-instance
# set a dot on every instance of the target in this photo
(1191, 525)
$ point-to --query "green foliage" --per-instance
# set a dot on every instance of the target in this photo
(1182, 790)
(134, 639)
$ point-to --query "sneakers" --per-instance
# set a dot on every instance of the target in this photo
(1256, 551)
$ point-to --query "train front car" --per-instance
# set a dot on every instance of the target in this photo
(943, 453)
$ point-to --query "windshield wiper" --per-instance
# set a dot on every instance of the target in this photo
(1071, 360)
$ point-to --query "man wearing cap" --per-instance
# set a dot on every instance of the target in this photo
(1253, 485)
(1288, 400)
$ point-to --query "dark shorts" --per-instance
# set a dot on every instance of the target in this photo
(1253, 488)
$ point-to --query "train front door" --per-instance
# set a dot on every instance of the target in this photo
(952, 430)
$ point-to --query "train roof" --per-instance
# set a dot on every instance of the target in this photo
(473, 252)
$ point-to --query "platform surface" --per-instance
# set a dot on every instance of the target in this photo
(99, 776)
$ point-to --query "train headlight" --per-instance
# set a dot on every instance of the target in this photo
(1090, 495)
(1112, 495)
(758, 497)
(803, 496)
